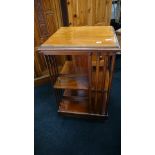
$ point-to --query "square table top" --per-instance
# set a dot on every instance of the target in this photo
(86, 37)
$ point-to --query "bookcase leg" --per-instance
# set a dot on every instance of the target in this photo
(111, 69)
(90, 81)
(103, 81)
(97, 82)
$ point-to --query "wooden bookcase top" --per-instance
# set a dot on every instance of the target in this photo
(83, 37)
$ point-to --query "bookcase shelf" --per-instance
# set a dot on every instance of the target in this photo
(71, 83)
(75, 81)
(79, 109)
(73, 106)
(75, 95)
(82, 85)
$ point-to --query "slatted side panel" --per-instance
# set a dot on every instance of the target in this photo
(111, 65)
(102, 69)
(52, 66)
(89, 12)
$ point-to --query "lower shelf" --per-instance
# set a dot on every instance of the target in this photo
(71, 83)
(76, 95)
(73, 106)
(77, 109)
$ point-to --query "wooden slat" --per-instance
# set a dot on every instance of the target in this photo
(55, 66)
(90, 82)
(97, 80)
(112, 65)
(108, 12)
(105, 85)
(52, 75)
(70, 14)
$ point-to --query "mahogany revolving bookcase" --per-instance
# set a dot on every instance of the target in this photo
(82, 84)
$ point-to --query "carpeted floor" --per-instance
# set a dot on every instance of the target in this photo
(58, 135)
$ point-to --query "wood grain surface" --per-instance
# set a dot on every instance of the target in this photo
(89, 12)
(83, 36)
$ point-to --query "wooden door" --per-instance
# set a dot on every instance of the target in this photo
(89, 12)
(47, 19)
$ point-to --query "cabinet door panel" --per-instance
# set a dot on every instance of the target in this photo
(47, 19)
(89, 12)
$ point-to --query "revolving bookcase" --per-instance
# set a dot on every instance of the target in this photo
(83, 80)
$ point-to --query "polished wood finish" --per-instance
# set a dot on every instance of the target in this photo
(82, 85)
(73, 106)
(77, 108)
(86, 36)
